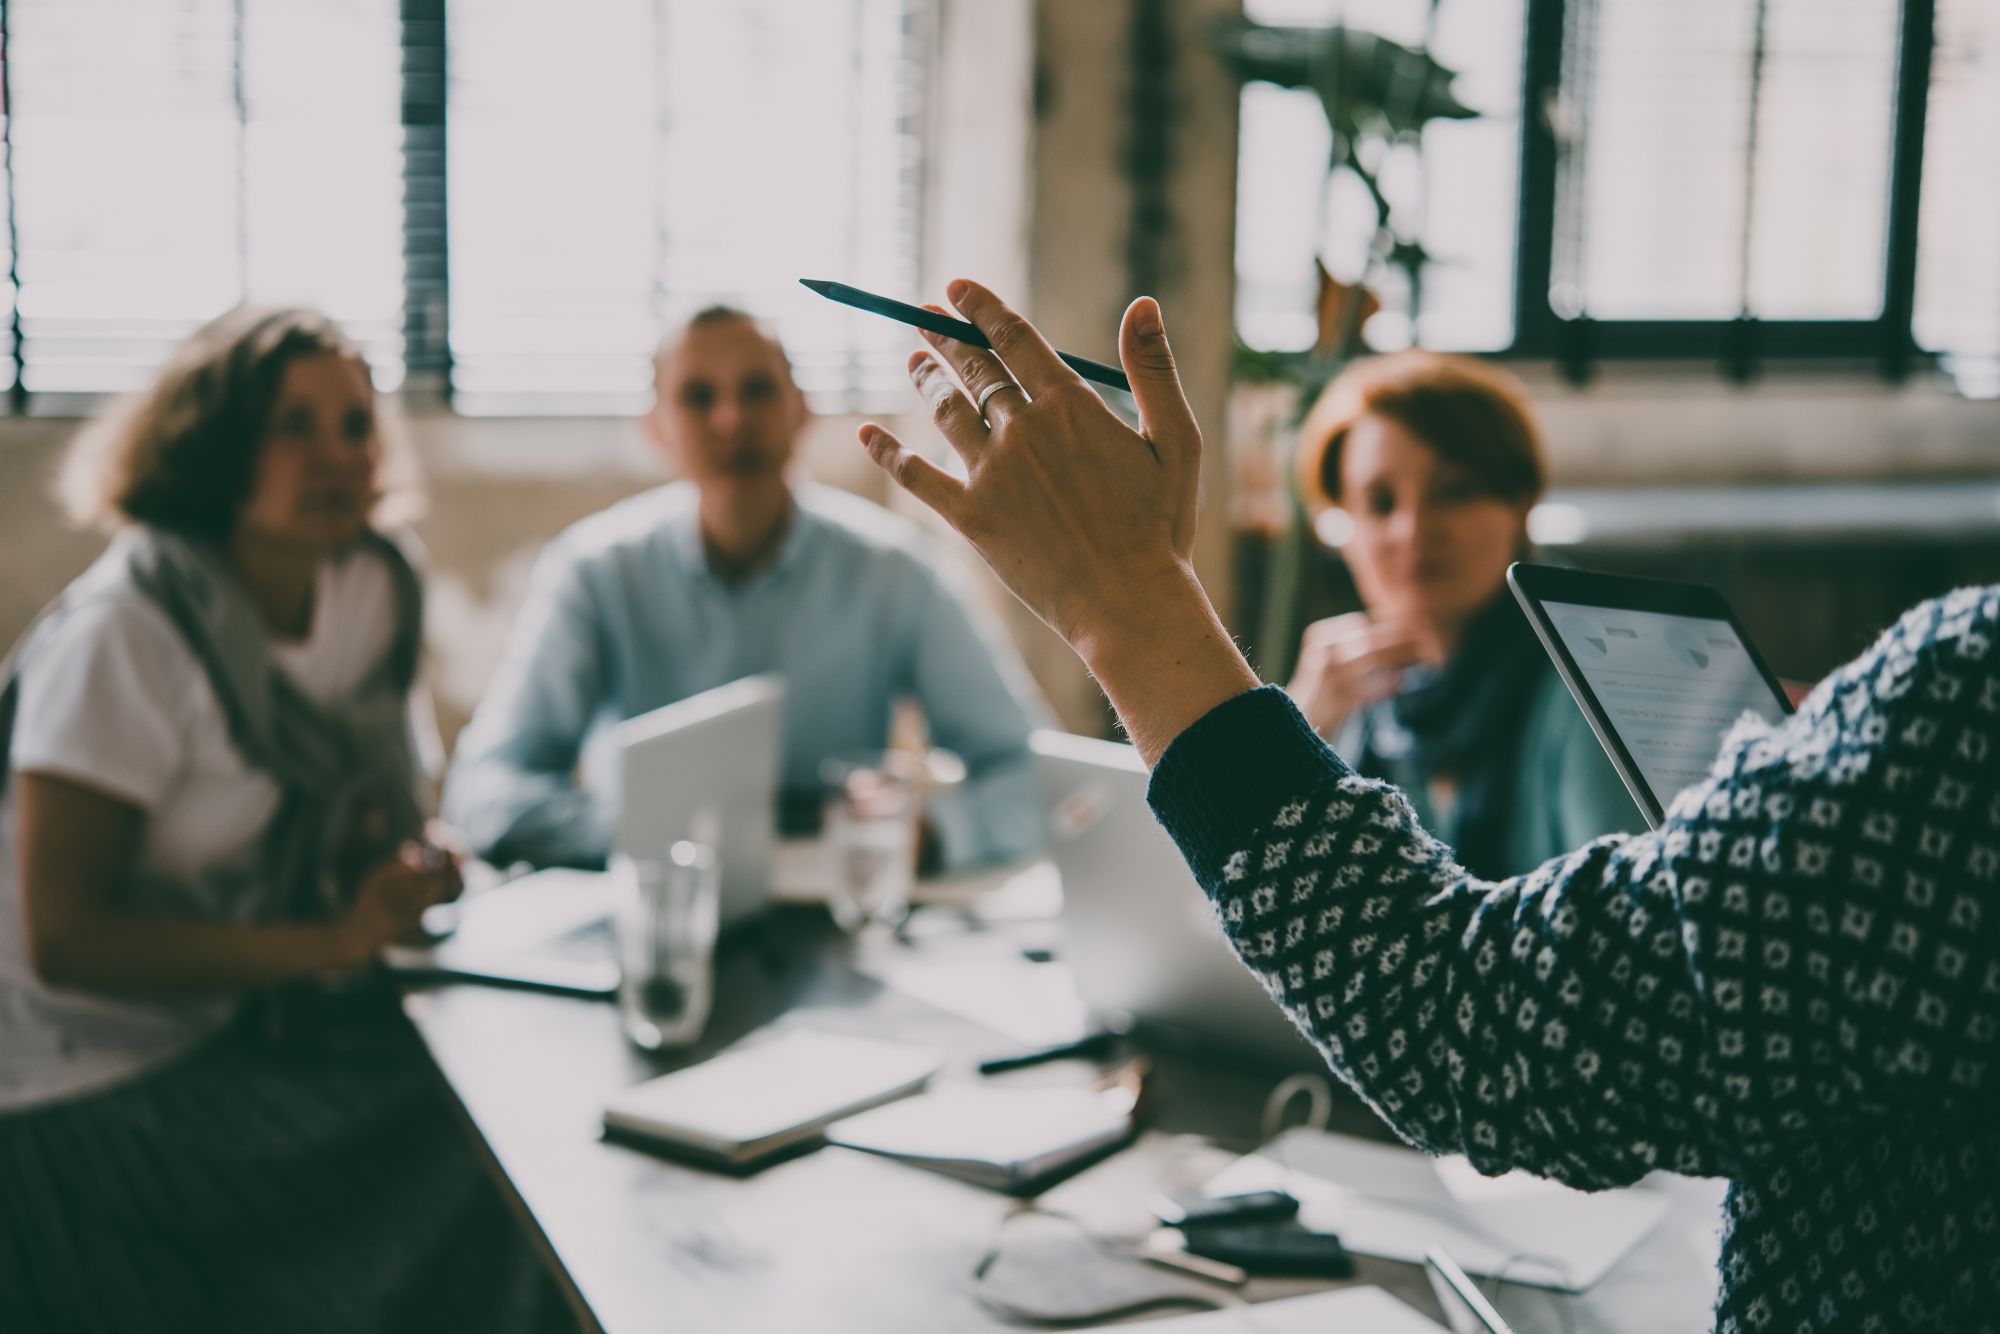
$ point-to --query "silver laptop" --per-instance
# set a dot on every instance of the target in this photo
(1138, 932)
(704, 768)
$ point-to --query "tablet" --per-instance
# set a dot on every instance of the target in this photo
(1662, 671)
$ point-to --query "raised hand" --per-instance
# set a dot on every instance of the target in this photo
(1076, 511)
(1088, 521)
(1349, 662)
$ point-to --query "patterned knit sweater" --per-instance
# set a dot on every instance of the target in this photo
(1794, 982)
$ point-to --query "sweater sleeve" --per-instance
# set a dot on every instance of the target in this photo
(1474, 1017)
(1785, 953)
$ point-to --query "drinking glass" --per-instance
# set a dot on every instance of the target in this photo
(666, 923)
(872, 802)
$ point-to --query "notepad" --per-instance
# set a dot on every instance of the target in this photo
(1013, 1140)
(757, 1099)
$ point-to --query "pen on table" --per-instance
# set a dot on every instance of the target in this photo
(1094, 1045)
(1166, 1247)
(1444, 1267)
(903, 312)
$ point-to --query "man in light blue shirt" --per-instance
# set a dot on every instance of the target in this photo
(731, 573)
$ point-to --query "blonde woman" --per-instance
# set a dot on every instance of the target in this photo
(209, 824)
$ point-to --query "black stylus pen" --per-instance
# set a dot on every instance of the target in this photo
(1468, 1292)
(1093, 1046)
(905, 313)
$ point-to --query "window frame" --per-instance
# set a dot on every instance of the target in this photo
(1739, 346)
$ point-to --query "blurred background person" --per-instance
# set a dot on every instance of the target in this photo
(211, 808)
(739, 570)
(1439, 685)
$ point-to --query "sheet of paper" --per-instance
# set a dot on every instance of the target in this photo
(1360, 1310)
(984, 978)
(1395, 1203)
(975, 1123)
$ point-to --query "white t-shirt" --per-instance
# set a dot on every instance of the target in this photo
(112, 697)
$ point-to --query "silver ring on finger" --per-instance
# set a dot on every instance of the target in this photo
(992, 389)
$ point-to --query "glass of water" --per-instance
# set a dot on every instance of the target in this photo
(872, 802)
(666, 923)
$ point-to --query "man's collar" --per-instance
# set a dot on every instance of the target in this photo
(798, 530)
(685, 534)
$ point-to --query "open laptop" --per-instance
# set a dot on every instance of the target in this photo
(703, 768)
(1138, 932)
(1662, 671)
(706, 768)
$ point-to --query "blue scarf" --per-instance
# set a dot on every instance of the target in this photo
(1466, 721)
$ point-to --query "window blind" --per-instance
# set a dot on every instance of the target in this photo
(322, 166)
(550, 129)
(662, 156)
(554, 201)
(171, 159)
(124, 139)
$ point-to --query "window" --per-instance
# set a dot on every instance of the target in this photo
(666, 156)
(166, 161)
(1725, 181)
(1717, 178)
(108, 275)
(1958, 262)
(551, 205)
(1457, 191)
(322, 183)
(516, 234)
(1726, 158)
(818, 175)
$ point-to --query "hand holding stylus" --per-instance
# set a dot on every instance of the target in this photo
(1090, 522)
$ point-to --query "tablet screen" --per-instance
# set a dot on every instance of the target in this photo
(1672, 686)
